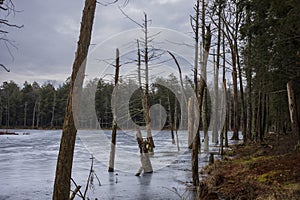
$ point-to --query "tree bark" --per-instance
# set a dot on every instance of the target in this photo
(216, 102)
(147, 103)
(205, 53)
(170, 118)
(195, 138)
(114, 127)
(175, 125)
(190, 122)
(235, 135)
(66, 151)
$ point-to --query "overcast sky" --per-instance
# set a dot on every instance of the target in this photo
(45, 47)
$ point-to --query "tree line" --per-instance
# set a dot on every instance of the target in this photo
(43, 106)
(33, 105)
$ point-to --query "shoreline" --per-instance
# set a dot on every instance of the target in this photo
(266, 170)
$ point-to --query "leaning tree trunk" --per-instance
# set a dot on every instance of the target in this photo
(66, 151)
(114, 127)
(293, 110)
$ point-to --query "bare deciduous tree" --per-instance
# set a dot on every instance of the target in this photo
(8, 7)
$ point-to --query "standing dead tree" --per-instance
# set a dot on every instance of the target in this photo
(194, 135)
(145, 55)
(231, 19)
(114, 126)
(66, 151)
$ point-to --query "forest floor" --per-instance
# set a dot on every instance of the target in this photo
(267, 170)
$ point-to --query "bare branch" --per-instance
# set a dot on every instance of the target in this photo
(140, 25)
(5, 22)
(4, 68)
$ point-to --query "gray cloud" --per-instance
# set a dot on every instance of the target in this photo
(47, 43)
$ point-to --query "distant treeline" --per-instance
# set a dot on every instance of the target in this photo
(43, 106)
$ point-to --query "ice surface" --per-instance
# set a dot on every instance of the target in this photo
(28, 162)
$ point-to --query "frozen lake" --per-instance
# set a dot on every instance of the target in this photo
(28, 162)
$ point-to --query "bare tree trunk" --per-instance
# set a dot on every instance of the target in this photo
(243, 110)
(146, 165)
(293, 110)
(175, 125)
(183, 115)
(170, 118)
(190, 122)
(66, 151)
(204, 103)
(195, 137)
(33, 114)
(235, 135)
(147, 103)
(216, 97)
(206, 47)
(204, 122)
(249, 104)
(258, 117)
(226, 110)
(114, 127)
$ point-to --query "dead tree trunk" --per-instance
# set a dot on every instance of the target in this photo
(293, 110)
(170, 118)
(146, 165)
(114, 126)
(206, 47)
(147, 103)
(216, 99)
(190, 122)
(175, 125)
(195, 133)
(66, 151)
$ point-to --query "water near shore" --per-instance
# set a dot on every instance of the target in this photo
(28, 162)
